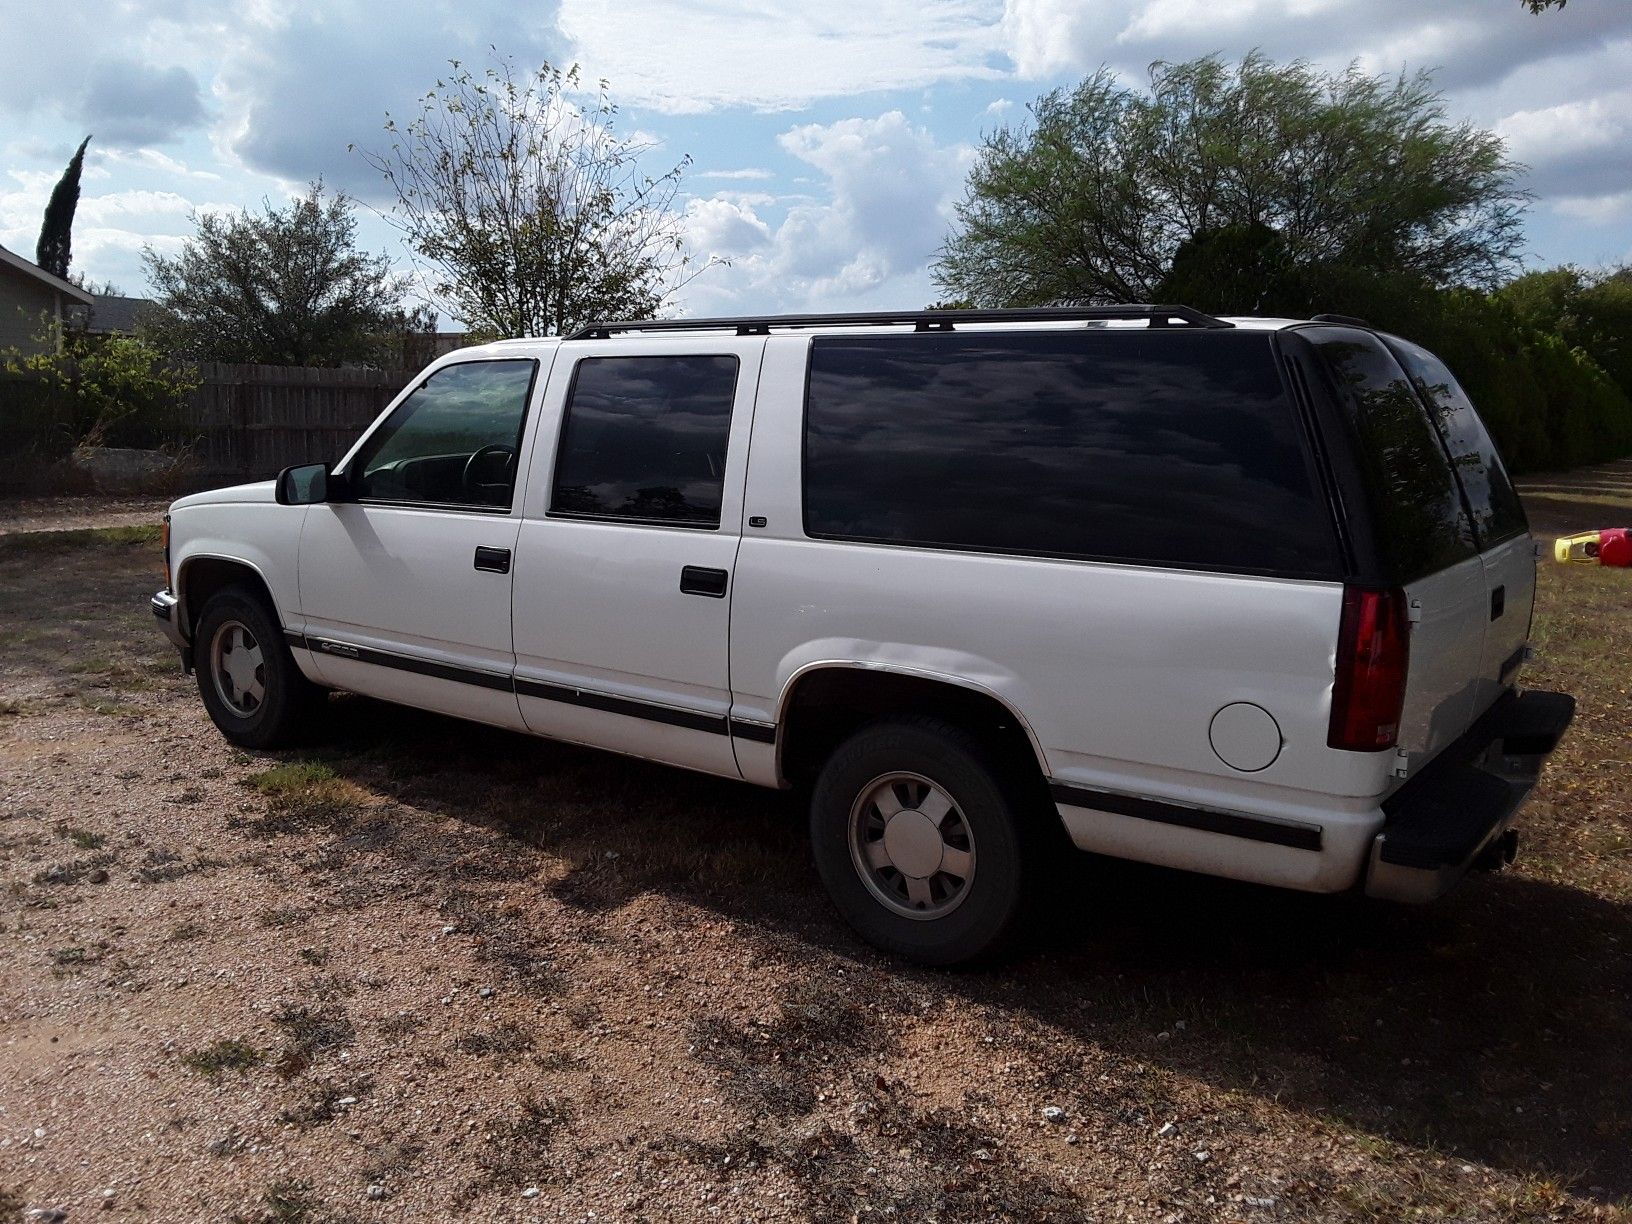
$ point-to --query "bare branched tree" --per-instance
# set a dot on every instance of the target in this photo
(528, 212)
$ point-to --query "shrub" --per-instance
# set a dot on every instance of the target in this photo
(114, 391)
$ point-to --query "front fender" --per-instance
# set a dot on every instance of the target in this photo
(263, 538)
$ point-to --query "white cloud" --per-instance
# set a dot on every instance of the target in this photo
(1471, 42)
(889, 190)
(751, 173)
(1574, 149)
(720, 227)
(707, 54)
(1610, 209)
(117, 204)
(148, 159)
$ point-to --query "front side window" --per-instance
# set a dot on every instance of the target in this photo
(1497, 512)
(1421, 524)
(453, 442)
(644, 440)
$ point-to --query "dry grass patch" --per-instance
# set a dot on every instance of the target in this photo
(226, 1054)
(305, 796)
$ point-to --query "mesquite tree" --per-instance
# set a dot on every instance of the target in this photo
(1277, 176)
(529, 213)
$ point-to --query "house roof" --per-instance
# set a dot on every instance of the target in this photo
(7, 259)
(112, 313)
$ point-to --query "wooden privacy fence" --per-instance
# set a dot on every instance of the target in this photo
(252, 420)
(242, 422)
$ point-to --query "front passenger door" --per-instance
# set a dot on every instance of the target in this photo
(405, 589)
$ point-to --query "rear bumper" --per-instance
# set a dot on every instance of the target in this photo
(1458, 810)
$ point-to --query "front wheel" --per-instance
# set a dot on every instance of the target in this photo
(249, 682)
(922, 841)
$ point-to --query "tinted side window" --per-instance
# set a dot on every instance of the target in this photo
(1417, 507)
(1166, 448)
(1497, 512)
(453, 441)
(644, 439)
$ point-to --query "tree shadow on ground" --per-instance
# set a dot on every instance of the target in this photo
(1494, 1026)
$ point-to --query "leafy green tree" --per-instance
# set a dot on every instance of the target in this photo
(54, 250)
(531, 212)
(1541, 6)
(1588, 310)
(1238, 187)
(285, 286)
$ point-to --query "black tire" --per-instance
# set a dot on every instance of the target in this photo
(287, 700)
(1000, 833)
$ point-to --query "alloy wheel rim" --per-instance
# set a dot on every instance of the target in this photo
(912, 846)
(238, 668)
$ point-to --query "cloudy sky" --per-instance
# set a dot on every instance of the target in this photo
(829, 140)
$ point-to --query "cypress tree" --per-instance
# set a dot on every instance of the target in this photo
(54, 248)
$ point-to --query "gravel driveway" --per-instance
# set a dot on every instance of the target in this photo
(427, 970)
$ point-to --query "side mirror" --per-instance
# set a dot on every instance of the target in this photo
(306, 485)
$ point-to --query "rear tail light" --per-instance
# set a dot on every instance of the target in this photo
(1373, 657)
(168, 585)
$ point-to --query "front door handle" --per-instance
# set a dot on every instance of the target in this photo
(493, 560)
(699, 580)
(1498, 602)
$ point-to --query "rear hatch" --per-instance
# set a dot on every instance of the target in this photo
(1439, 520)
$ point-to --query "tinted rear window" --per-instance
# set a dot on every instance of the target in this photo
(1497, 512)
(1416, 506)
(1154, 447)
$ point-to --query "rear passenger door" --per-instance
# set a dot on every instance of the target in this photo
(628, 541)
(1503, 532)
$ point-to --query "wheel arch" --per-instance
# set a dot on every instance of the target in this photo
(823, 702)
(201, 575)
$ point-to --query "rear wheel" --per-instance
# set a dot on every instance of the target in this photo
(249, 682)
(922, 841)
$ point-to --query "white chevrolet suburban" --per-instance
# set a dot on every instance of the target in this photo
(1245, 597)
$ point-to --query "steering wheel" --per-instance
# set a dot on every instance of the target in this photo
(474, 462)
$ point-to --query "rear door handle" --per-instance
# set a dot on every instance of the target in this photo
(493, 560)
(1498, 602)
(699, 580)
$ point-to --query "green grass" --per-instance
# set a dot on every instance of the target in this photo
(292, 778)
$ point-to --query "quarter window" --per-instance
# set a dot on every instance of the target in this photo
(454, 441)
(1497, 512)
(644, 440)
(1422, 527)
(1151, 447)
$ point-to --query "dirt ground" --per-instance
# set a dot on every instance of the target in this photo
(426, 970)
(78, 513)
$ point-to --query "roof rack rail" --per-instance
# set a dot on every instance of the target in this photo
(921, 320)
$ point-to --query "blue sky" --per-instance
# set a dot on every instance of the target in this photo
(829, 141)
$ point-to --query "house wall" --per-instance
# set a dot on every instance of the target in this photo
(23, 300)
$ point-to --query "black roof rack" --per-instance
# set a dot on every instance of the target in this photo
(921, 320)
